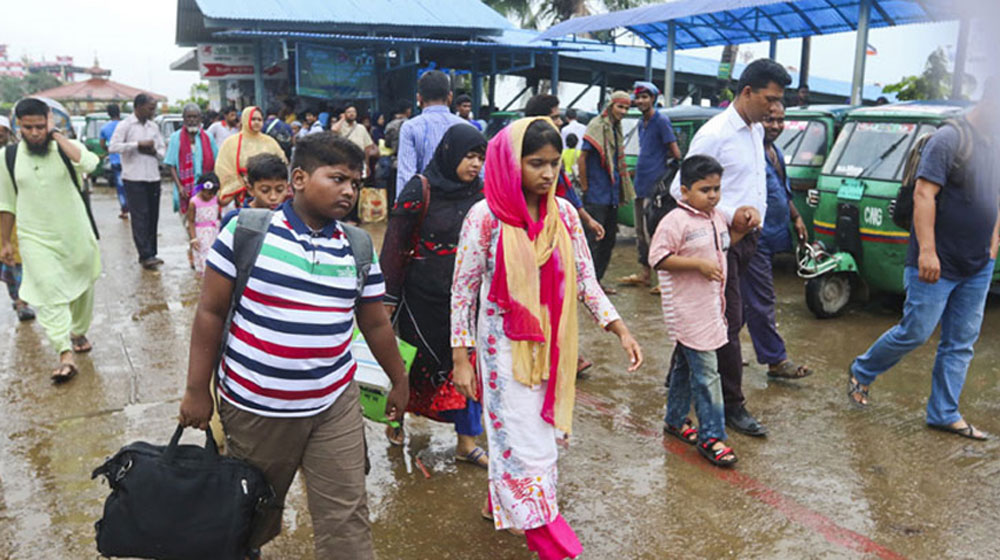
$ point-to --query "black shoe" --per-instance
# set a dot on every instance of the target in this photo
(741, 421)
(158, 261)
(150, 263)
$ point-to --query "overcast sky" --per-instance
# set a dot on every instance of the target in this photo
(135, 40)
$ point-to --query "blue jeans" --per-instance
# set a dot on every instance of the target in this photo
(700, 369)
(116, 179)
(958, 305)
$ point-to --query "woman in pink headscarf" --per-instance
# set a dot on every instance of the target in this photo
(523, 257)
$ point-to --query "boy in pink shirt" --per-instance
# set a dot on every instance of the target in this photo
(689, 252)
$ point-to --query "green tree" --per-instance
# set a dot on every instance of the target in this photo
(933, 83)
(535, 14)
(198, 94)
(35, 82)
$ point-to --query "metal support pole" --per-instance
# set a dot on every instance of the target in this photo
(555, 73)
(477, 86)
(961, 52)
(649, 64)
(772, 51)
(804, 61)
(258, 75)
(493, 80)
(604, 92)
(668, 70)
(860, 52)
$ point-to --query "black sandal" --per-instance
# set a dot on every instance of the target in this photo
(854, 388)
(715, 456)
(969, 431)
(64, 373)
(688, 436)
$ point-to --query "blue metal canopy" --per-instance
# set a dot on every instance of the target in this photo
(704, 23)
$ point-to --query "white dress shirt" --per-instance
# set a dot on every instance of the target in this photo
(137, 166)
(574, 127)
(739, 147)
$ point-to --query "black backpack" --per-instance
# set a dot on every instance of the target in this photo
(10, 157)
(660, 203)
(901, 209)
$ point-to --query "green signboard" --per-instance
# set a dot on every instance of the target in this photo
(335, 73)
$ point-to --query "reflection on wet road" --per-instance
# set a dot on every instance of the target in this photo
(830, 481)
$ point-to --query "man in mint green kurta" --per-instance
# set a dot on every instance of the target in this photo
(58, 247)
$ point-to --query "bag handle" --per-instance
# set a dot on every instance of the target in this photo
(171, 451)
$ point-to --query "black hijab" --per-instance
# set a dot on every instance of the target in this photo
(458, 141)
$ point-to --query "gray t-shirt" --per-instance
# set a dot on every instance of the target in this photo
(967, 205)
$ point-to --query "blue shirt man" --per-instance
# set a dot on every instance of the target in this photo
(601, 188)
(950, 263)
(655, 138)
(419, 137)
(106, 131)
(775, 235)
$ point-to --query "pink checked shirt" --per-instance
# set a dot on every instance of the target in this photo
(693, 306)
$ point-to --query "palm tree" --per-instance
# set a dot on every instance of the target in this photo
(538, 13)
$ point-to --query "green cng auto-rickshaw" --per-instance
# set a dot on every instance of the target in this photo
(858, 248)
(685, 120)
(808, 136)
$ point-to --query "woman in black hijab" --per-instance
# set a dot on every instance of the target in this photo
(417, 260)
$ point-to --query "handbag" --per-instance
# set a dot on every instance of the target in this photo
(372, 205)
(179, 502)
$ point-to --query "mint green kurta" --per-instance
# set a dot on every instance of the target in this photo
(59, 252)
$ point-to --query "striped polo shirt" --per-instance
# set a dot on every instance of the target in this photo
(288, 352)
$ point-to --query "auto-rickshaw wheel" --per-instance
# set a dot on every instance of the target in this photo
(828, 295)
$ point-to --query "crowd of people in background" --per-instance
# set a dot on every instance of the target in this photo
(490, 246)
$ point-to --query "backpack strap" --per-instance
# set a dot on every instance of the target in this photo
(248, 238)
(10, 156)
(361, 246)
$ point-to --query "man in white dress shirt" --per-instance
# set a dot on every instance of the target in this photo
(141, 146)
(735, 137)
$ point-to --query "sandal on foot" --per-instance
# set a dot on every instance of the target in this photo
(688, 434)
(633, 280)
(477, 456)
(24, 312)
(715, 456)
(64, 373)
(80, 344)
(395, 435)
(788, 370)
(854, 388)
(608, 290)
(655, 290)
(969, 431)
(583, 365)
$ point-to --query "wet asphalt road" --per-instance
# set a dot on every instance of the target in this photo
(830, 481)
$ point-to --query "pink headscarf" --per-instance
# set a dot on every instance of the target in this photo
(534, 282)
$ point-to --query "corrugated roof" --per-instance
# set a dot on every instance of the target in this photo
(703, 23)
(365, 40)
(469, 14)
(636, 56)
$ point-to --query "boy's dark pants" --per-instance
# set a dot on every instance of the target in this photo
(607, 216)
(730, 356)
(330, 449)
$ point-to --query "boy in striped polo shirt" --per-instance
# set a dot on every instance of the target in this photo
(285, 379)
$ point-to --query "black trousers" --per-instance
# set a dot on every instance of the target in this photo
(730, 356)
(144, 206)
(600, 251)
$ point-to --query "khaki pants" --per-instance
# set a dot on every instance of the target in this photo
(330, 449)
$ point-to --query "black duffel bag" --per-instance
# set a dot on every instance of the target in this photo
(179, 502)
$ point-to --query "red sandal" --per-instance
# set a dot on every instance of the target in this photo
(688, 435)
(715, 456)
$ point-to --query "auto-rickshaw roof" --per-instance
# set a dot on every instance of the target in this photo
(690, 112)
(834, 111)
(921, 110)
